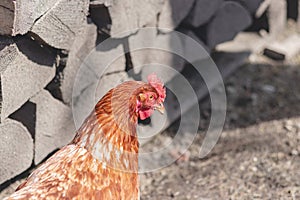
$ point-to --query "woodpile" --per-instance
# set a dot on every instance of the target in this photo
(19, 154)
(45, 44)
(25, 69)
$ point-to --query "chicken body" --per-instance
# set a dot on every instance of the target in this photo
(102, 160)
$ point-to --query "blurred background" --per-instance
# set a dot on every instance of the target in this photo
(254, 43)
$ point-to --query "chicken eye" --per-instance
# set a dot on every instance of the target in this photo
(151, 97)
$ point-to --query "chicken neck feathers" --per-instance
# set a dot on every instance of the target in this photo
(102, 160)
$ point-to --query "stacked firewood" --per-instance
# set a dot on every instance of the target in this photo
(43, 44)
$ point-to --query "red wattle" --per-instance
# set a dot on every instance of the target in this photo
(144, 114)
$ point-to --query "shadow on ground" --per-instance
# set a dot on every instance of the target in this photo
(258, 154)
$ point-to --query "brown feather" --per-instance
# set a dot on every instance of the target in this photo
(102, 160)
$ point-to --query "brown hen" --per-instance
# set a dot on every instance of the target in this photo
(102, 160)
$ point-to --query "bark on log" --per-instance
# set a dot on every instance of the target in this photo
(6, 17)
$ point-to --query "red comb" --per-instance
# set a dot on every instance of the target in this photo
(155, 82)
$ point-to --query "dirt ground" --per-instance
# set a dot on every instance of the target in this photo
(257, 155)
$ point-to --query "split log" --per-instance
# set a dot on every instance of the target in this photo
(17, 17)
(25, 69)
(54, 126)
(172, 14)
(230, 19)
(122, 15)
(106, 59)
(108, 56)
(202, 12)
(128, 16)
(59, 25)
(16, 151)
(6, 17)
(83, 44)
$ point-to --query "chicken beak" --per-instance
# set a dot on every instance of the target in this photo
(160, 108)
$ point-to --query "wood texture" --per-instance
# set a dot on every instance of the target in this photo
(18, 17)
(26, 68)
(82, 46)
(60, 24)
(54, 125)
(53, 41)
(16, 151)
(128, 16)
(6, 17)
